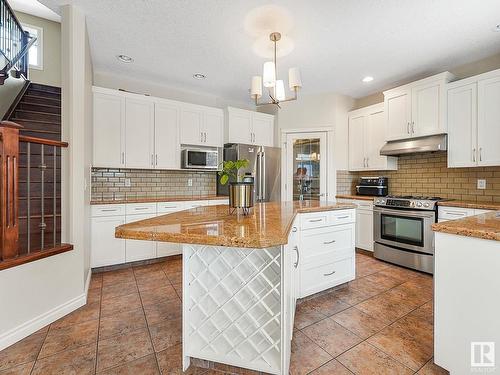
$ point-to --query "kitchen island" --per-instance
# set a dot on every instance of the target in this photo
(466, 283)
(240, 274)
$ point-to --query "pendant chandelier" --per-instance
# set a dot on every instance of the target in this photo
(275, 87)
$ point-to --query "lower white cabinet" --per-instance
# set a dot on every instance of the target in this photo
(446, 213)
(139, 249)
(106, 249)
(364, 222)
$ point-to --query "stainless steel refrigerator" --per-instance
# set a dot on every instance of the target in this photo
(264, 167)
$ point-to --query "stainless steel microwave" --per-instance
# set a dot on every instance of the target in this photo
(200, 158)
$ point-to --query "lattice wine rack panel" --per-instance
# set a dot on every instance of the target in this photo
(233, 311)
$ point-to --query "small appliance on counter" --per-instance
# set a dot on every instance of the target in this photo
(375, 186)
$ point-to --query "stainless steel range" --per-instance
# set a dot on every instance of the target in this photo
(402, 230)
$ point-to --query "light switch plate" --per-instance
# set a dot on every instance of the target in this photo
(481, 184)
(190, 182)
(127, 182)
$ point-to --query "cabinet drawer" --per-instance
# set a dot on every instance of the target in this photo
(342, 217)
(453, 213)
(167, 207)
(218, 201)
(327, 241)
(314, 220)
(140, 208)
(317, 278)
(195, 204)
(364, 205)
(107, 210)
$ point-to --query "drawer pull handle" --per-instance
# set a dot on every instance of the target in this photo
(141, 208)
(294, 229)
(315, 220)
(109, 210)
(329, 274)
(329, 242)
(456, 213)
(343, 217)
(296, 248)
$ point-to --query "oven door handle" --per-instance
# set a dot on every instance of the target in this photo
(405, 213)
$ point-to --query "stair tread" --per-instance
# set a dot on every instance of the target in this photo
(39, 104)
(27, 95)
(40, 131)
(38, 112)
(15, 119)
(36, 91)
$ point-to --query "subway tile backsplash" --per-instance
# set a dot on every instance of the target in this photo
(428, 174)
(109, 183)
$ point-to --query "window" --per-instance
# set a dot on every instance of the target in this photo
(35, 54)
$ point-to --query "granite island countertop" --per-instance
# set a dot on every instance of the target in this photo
(485, 226)
(470, 204)
(267, 225)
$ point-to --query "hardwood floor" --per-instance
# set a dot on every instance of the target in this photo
(380, 323)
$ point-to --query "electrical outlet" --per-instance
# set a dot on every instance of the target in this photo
(127, 182)
(481, 184)
(190, 182)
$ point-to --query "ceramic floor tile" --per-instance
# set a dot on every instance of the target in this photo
(327, 304)
(24, 369)
(69, 337)
(365, 359)
(382, 280)
(331, 336)
(120, 304)
(175, 277)
(118, 350)
(94, 295)
(95, 281)
(22, 351)
(306, 355)
(158, 295)
(143, 366)
(173, 266)
(166, 334)
(305, 315)
(119, 289)
(79, 361)
(85, 313)
(121, 323)
(170, 362)
(358, 322)
(155, 281)
(431, 368)
(386, 307)
(367, 268)
(332, 368)
(117, 277)
(148, 268)
(350, 295)
(367, 287)
(167, 310)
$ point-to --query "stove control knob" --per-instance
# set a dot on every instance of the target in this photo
(378, 201)
(426, 204)
(419, 204)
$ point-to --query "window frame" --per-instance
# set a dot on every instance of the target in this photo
(39, 44)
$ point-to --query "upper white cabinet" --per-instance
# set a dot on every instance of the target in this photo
(473, 118)
(137, 131)
(202, 126)
(366, 138)
(109, 130)
(249, 127)
(417, 109)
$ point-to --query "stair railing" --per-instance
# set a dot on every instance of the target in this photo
(14, 44)
(14, 252)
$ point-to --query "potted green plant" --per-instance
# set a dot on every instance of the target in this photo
(240, 191)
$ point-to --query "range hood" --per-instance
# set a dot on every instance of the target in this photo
(415, 145)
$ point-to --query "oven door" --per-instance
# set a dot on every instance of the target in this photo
(405, 229)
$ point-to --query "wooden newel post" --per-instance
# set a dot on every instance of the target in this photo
(9, 218)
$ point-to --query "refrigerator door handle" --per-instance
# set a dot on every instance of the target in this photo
(263, 195)
(259, 176)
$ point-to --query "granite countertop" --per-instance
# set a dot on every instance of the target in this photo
(485, 226)
(471, 204)
(267, 225)
(358, 197)
(179, 198)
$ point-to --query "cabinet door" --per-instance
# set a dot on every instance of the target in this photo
(213, 129)
(109, 131)
(139, 133)
(488, 126)
(139, 249)
(191, 124)
(164, 249)
(398, 115)
(106, 250)
(364, 229)
(167, 150)
(356, 143)
(425, 113)
(462, 125)
(263, 130)
(240, 128)
(374, 140)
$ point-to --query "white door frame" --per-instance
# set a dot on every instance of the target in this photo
(331, 178)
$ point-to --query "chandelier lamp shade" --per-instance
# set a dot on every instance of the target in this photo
(269, 80)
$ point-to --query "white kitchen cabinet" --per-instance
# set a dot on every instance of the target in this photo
(201, 126)
(446, 213)
(249, 127)
(364, 222)
(166, 136)
(109, 130)
(218, 202)
(105, 248)
(488, 124)
(418, 108)
(164, 249)
(139, 249)
(366, 138)
(139, 133)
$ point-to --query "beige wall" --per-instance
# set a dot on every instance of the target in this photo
(51, 73)
(462, 71)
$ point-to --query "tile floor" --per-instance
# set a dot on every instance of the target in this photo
(380, 323)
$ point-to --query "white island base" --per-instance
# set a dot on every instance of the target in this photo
(237, 306)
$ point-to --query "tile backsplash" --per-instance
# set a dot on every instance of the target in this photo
(428, 174)
(109, 183)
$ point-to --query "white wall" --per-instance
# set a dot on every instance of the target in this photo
(38, 293)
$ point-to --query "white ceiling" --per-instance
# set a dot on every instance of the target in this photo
(336, 42)
(34, 8)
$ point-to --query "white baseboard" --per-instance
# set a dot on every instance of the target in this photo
(33, 325)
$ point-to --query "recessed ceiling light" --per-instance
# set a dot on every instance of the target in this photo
(497, 28)
(199, 76)
(367, 79)
(124, 58)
